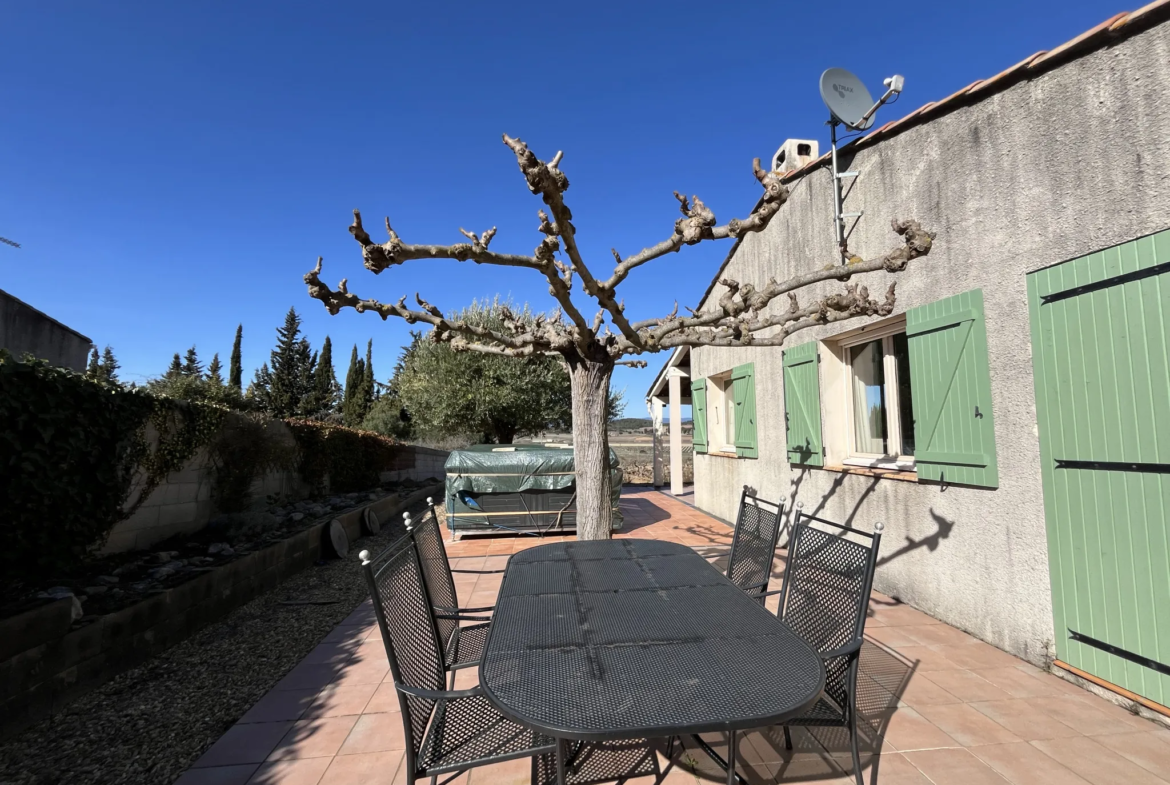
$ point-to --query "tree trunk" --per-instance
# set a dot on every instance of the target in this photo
(590, 385)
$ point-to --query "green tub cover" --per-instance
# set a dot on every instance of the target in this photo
(499, 470)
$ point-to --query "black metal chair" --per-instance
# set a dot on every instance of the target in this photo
(462, 646)
(827, 581)
(753, 546)
(598, 762)
(447, 731)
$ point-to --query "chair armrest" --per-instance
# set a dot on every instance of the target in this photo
(438, 694)
(480, 572)
(461, 617)
(848, 650)
(488, 609)
(770, 593)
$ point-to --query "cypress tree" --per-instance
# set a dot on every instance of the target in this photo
(109, 366)
(283, 386)
(325, 386)
(93, 371)
(351, 409)
(214, 369)
(235, 369)
(176, 368)
(191, 365)
(368, 393)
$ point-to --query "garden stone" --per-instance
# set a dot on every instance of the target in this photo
(219, 548)
(162, 557)
(91, 590)
(107, 580)
(297, 517)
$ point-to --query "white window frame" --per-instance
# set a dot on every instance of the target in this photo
(721, 413)
(854, 457)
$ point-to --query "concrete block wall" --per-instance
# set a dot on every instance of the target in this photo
(182, 504)
(46, 661)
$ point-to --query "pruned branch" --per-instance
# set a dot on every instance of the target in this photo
(737, 313)
(698, 224)
(546, 337)
(736, 319)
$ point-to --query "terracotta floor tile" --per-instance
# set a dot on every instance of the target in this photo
(977, 655)
(314, 738)
(892, 636)
(332, 653)
(371, 768)
(375, 733)
(909, 730)
(385, 699)
(1090, 719)
(1019, 682)
(1022, 764)
(280, 705)
(308, 677)
(953, 767)
(1028, 722)
(244, 744)
(936, 635)
(341, 634)
(1095, 763)
(900, 615)
(341, 699)
(1151, 750)
(895, 769)
(967, 726)
(966, 686)
(512, 772)
(368, 672)
(927, 658)
(218, 775)
(291, 772)
(922, 691)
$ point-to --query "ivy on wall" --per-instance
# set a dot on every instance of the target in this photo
(77, 456)
(338, 459)
(72, 451)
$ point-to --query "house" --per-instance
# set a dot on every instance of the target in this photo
(24, 329)
(1010, 423)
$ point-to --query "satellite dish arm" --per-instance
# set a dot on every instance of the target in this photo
(893, 87)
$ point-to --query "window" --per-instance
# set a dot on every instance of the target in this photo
(721, 413)
(724, 411)
(909, 393)
(880, 409)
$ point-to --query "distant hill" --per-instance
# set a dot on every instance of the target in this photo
(636, 424)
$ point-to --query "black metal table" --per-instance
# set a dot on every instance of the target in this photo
(622, 639)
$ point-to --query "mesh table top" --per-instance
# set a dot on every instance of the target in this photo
(638, 638)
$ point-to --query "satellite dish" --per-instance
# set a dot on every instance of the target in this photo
(847, 99)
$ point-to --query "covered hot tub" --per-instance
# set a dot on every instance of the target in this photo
(528, 488)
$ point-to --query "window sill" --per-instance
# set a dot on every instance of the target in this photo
(866, 471)
(722, 454)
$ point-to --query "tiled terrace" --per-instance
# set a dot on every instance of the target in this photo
(940, 706)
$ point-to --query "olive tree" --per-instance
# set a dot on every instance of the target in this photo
(742, 316)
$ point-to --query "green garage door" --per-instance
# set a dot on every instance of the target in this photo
(1100, 351)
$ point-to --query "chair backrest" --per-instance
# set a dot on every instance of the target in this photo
(428, 538)
(407, 623)
(753, 545)
(827, 581)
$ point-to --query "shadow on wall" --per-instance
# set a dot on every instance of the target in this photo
(943, 526)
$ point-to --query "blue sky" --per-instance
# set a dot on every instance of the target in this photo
(173, 169)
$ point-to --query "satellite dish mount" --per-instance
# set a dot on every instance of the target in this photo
(850, 105)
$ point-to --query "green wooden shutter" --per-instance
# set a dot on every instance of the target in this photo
(802, 405)
(950, 384)
(743, 380)
(699, 414)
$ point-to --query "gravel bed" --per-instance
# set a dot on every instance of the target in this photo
(149, 724)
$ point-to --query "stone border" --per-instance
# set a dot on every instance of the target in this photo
(46, 664)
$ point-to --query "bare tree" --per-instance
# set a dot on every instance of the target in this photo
(741, 317)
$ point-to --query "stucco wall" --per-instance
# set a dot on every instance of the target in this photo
(25, 329)
(1071, 162)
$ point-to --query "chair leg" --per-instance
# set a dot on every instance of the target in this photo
(853, 749)
(732, 748)
(787, 738)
